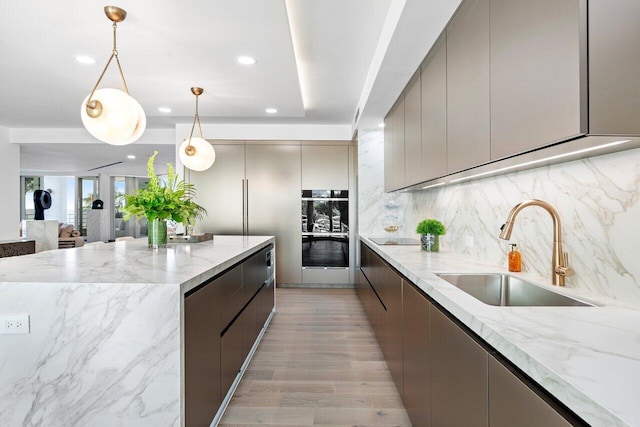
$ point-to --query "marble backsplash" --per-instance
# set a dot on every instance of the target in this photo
(597, 200)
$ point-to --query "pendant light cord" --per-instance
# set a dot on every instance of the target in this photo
(196, 118)
(114, 53)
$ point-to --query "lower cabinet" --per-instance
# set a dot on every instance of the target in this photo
(449, 376)
(223, 318)
(458, 375)
(512, 403)
(393, 346)
(416, 344)
(231, 355)
(202, 356)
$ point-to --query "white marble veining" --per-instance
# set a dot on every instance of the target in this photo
(371, 196)
(44, 232)
(98, 228)
(588, 357)
(597, 199)
(105, 341)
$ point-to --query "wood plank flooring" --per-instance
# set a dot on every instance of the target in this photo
(318, 364)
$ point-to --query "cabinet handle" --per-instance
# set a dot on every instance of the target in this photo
(244, 208)
(246, 215)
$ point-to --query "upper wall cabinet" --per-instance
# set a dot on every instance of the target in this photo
(397, 149)
(468, 136)
(614, 61)
(517, 76)
(325, 167)
(412, 130)
(388, 143)
(433, 81)
(394, 160)
(538, 92)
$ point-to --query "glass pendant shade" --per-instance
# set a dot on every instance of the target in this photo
(122, 120)
(202, 158)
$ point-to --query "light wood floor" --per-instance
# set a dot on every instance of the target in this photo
(318, 364)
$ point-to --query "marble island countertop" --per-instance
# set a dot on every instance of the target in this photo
(587, 357)
(131, 261)
(106, 330)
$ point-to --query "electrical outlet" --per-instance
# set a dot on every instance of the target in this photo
(14, 324)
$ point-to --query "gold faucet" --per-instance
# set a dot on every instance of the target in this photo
(559, 260)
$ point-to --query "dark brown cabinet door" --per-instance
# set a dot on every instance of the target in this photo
(202, 355)
(512, 403)
(232, 294)
(231, 350)
(248, 319)
(459, 385)
(265, 300)
(254, 273)
(393, 344)
(416, 356)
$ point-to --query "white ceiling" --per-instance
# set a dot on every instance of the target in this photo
(317, 60)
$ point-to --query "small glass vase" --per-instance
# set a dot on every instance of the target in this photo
(430, 242)
(157, 234)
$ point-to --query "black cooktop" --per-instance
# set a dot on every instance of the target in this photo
(394, 241)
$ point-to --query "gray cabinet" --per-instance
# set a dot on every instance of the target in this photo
(458, 375)
(325, 166)
(433, 80)
(416, 355)
(254, 188)
(224, 181)
(468, 141)
(413, 131)
(388, 153)
(273, 186)
(394, 157)
(397, 147)
(614, 61)
(538, 87)
(512, 403)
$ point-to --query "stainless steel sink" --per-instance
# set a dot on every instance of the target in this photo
(506, 290)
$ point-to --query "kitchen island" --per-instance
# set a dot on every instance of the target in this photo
(585, 357)
(106, 341)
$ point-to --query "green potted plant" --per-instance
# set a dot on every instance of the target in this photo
(430, 231)
(162, 201)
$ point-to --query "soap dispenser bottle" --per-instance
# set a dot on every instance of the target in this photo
(515, 260)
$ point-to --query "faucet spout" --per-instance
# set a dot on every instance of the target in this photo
(559, 260)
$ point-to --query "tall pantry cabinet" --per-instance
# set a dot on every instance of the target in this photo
(254, 188)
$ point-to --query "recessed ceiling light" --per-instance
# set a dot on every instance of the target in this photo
(381, 125)
(271, 110)
(83, 59)
(246, 60)
(131, 156)
(164, 109)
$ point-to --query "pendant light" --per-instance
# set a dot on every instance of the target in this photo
(112, 115)
(197, 153)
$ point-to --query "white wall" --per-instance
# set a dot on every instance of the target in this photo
(598, 200)
(10, 190)
(58, 187)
